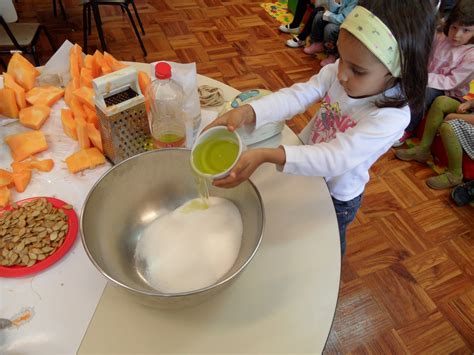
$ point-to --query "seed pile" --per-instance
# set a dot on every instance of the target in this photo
(31, 232)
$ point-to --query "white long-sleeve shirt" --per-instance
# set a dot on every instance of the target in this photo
(344, 138)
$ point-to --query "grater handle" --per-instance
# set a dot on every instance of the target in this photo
(115, 82)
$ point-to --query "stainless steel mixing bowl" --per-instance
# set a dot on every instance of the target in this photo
(130, 196)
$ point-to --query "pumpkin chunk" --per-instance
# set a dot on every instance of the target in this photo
(22, 179)
(69, 125)
(85, 95)
(84, 159)
(22, 71)
(10, 83)
(8, 105)
(6, 178)
(34, 116)
(44, 95)
(113, 63)
(4, 196)
(41, 165)
(94, 136)
(23, 145)
(82, 134)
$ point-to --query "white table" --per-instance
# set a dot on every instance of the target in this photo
(284, 302)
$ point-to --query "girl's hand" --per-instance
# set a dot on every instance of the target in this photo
(464, 107)
(249, 161)
(235, 118)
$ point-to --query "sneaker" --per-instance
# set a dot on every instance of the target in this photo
(288, 29)
(316, 47)
(463, 194)
(400, 141)
(444, 181)
(295, 42)
(415, 153)
(329, 60)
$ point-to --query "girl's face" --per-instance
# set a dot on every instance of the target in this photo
(460, 35)
(361, 73)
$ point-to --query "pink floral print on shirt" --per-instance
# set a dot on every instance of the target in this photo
(329, 120)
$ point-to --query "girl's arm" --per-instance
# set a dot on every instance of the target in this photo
(467, 117)
(286, 103)
(338, 15)
(462, 74)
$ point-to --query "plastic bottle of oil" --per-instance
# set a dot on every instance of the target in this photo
(166, 115)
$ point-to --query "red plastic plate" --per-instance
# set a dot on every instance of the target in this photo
(18, 271)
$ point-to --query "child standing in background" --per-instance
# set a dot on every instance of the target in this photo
(455, 123)
(325, 29)
(364, 103)
(452, 64)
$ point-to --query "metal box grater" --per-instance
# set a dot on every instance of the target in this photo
(121, 110)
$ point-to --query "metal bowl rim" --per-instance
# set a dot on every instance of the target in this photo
(157, 293)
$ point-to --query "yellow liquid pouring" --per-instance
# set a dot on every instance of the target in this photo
(215, 155)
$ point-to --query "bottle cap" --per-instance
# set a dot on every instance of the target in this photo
(163, 70)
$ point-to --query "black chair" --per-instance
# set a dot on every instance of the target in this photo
(124, 5)
(61, 7)
(22, 37)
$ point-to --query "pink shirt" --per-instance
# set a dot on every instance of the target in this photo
(451, 68)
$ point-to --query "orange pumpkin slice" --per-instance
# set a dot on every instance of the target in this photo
(113, 63)
(84, 159)
(34, 116)
(86, 77)
(18, 166)
(21, 179)
(45, 165)
(4, 196)
(23, 145)
(44, 95)
(22, 71)
(6, 178)
(75, 61)
(85, 95)
(69, 125)
(8, 105)
(94, 136)
(9, 83)
(90, 62)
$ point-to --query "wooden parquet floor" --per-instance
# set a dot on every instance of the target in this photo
(407, 282)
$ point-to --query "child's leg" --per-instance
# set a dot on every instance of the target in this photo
(307, 27)
(345, 213)
(453, 176)
(416, 117)
(331, 32)
(317, 28)
(441, 106)
(300, 10)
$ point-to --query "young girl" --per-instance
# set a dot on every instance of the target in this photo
(455, 123)
(325, 29)
(452, 64)
(364, 102)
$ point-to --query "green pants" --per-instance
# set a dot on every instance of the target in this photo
(441, 107)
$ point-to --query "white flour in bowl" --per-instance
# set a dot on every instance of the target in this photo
(191, 247)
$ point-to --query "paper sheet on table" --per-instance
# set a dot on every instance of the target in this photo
(56, 70)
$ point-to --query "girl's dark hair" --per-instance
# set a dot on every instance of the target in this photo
(462, 13)
(413, 24)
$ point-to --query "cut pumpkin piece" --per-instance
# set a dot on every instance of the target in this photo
(22, 71)
(94, 136)
(84, 159)
(4, 196)
(82, 133)
(86, 77)
(85, 95)
(23, 145)
(75, 61)
(10, 83)
(21, 179)
(68, 93)
(44, 95)
(8, 106)
(91, 116)
(44, 165)
(69, 125)
(34, 116)
(77, 110)
(6, 178)
(113, 63)
(90, 62)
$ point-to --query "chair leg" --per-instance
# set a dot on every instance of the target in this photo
(89, 18)
(136, 30)
(98, 24)
(138, 17)
(35, 55)
(2, 63)
(50, 39)
(54, 8)
(62, 10)
(85, 25)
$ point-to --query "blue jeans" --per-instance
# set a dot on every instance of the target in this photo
(345, 213)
